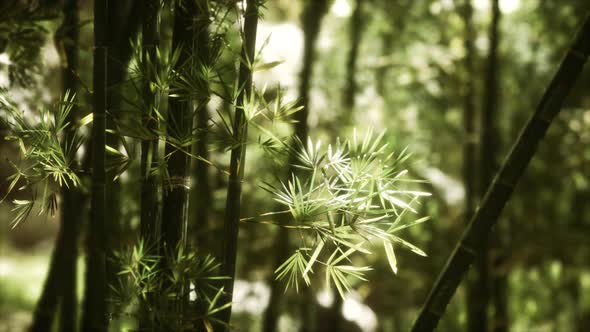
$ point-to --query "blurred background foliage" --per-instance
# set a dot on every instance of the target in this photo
(409, 79)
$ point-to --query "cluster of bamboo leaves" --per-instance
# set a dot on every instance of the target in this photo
(343, 200)
(48, 156)
(141, 280)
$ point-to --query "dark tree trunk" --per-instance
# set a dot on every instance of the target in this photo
(176, 186)
(501, 189)
(60, 285)
(477, 285)
(238, 156)
(480, 290)
(122, 29)
(201, 194)
(469, 148)
(95, 305)
(495, 295)
(311, 19)
(350, 86)
(149, 147)
(151, 98)
(73, 199)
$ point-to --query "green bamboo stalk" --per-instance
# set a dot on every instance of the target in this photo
(480, 292)
(179, 125)
(123, 28)
(95, 315)
(503, 185)
(469, 113)
(149, 147)
(201, 194)
(238, 155)
(469, 152)
(176, 189)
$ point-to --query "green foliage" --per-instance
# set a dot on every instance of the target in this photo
(22, 35)
(48, 157)
(142, 278)
(342, 199)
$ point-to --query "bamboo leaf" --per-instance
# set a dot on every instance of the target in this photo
(390, 256)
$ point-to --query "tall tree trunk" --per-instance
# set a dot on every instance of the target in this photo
(151, 98)
(201, 194)
(350, 85)
(469, 159)
(149, 147)
(179, 130)
(95, 305)
(479, 288)
(238, 156)
(122, 29)
(492, 286)
(503, 185)
(60, 285)
(72, 197)
(311, 19)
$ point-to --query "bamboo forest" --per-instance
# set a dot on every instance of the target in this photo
(294, 165)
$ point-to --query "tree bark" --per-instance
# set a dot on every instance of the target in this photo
(503, 185)
(95, 305)
(238, 156)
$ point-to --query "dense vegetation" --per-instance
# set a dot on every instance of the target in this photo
(210, 165)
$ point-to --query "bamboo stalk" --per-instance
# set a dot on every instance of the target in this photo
(94, 315)
(179, 128)
(72, 196)
(123, 27)
(503, 185)
(149, 147)
(238, 155)
(201, 193)
(61, 278)
(479, 290)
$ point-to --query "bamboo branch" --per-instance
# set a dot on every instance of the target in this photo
(503, 185)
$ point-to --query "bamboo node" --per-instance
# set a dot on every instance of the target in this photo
(179, 182)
